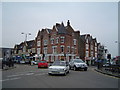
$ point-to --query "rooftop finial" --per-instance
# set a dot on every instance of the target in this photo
(68, 23)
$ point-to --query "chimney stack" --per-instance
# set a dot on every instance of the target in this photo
(68, 23)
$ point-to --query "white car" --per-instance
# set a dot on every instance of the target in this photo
(59, 67)
(22, 62)
(76, 64)
(35, 62)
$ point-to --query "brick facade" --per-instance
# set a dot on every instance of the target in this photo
(58, 43)
(90, 50)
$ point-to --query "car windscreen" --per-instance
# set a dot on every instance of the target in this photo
(42, 61)
(59, 64)
(78, 61)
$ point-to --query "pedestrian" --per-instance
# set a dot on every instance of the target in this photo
(10, 62)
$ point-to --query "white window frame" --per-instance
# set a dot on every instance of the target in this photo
(87, 40)
(20, 51)
(74, 41)
(87, 53)
(45, 50)
(91, 47)
(96, 55)
(95, 44)
(57, 40)
(52, 40)
(38, 50)
(87, 46)
(62, 39)
(92, 53)
(72, 49)
(95, 49)
(45, 42)
(54, 49)
(33, 50)
(29, 50)
(38, 43)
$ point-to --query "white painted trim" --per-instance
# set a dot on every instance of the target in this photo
(60, 54)
(47, 30)
(56, 28)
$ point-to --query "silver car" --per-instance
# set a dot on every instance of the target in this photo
(59, 67)
(76, 64)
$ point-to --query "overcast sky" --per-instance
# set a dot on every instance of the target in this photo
(100, 19)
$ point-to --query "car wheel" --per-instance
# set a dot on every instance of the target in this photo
(49, 74)
(74, 68)
(85, 69)
(65, 73)
(68, 71)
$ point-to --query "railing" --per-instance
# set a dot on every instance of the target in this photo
(109, 69)
(112, 68)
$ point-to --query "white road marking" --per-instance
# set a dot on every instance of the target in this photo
(29, 74)
(40, 74)
(15, 75)
(10, 79)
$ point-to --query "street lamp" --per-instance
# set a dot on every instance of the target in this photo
(25, 39)
(26, 35)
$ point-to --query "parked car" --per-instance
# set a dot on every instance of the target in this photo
(59, 67)
(76, 64)
(27, 61)
(42, 63)
(107, 64)
(22, 62)
(35, 62)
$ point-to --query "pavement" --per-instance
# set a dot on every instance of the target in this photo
(108, 72)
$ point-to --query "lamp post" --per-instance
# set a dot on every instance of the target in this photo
(26, 35)
(25, 39)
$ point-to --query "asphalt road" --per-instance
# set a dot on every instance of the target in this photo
(26, 76)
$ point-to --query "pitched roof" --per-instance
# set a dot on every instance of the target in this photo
(61, 28)
(30, 44)
(82, 37)
(48, 30)
(20, 46)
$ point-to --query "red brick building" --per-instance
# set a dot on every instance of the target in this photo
(59, 43)
(90, 48)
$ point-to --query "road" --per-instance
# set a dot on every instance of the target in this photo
(26, 76)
